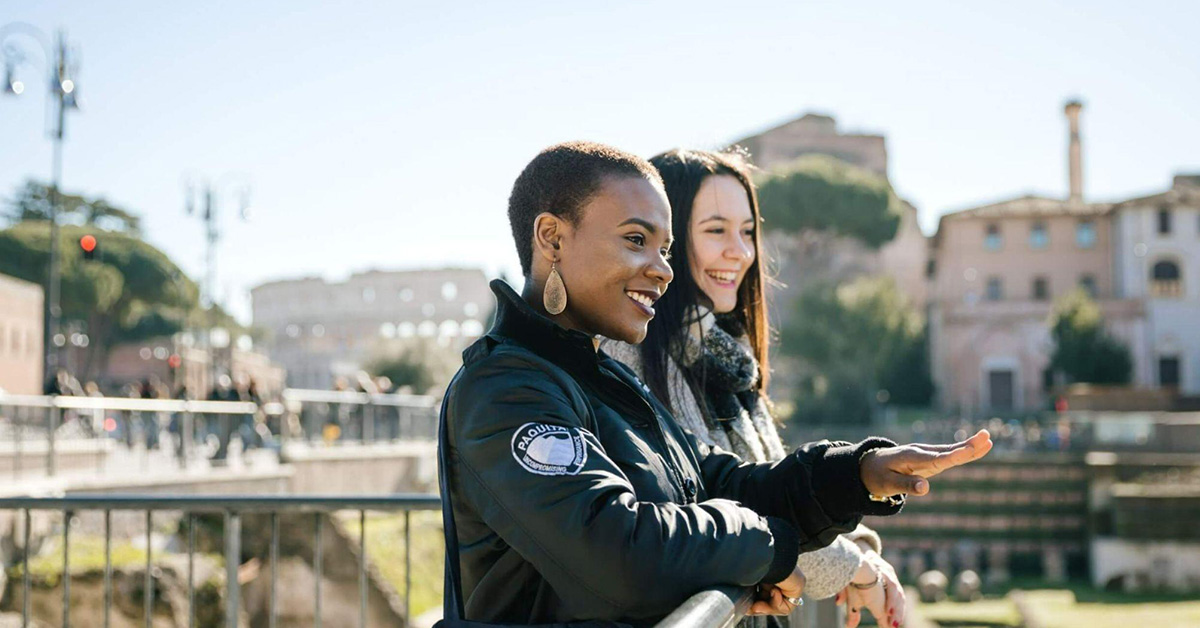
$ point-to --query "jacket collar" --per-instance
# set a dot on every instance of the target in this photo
(518, 322)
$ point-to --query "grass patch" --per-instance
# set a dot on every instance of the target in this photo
(86, 556)
(385, 550)
(1061, 609)
(1065, 608)
(987, 612)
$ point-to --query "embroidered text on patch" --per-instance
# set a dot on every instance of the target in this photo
(549, 449)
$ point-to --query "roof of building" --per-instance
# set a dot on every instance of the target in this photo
(812, 123)
(1183, 192)
(1031, 205)
(1027, 206)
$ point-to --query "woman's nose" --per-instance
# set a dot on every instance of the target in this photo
(739, 249)
(661, 270)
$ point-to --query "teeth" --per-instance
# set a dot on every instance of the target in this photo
(722, 276)
(640, 298)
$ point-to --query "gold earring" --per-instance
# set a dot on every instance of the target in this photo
(554, 296)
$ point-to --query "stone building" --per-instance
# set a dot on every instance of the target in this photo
(1156, 260)
(321, 330)
(815, 133)
(800, 261)
(997, 269)
(20, 336)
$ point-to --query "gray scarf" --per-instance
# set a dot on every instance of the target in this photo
(717, 355)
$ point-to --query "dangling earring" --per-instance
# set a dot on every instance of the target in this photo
(554, 296)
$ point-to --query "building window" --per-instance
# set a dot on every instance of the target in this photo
(1088, 283)
(1165, 280)
(1164, 221)
(1168, 372)
(1039, 238)
(406, 294)
(1085, 234)
(995, 289)
(992, 240)
(449, 291)
(368, 295)
(1041, 289)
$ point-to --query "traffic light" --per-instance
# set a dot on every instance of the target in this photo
(88, 244)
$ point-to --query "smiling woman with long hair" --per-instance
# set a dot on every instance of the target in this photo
(573, 493)
(706, 354)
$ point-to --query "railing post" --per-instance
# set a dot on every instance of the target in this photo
(52, 419)
(233, 554)
(187, 437)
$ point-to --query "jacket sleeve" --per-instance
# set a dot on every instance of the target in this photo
(567, 508)
(817, 488)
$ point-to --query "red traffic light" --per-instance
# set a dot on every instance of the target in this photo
(87, 243)
(174, 361)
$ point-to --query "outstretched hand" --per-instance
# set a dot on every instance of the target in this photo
(904, 469)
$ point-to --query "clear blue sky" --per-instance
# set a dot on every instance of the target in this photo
(387, 134)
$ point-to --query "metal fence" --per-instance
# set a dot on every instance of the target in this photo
(716, 608)
(233, 509)
(330, 416)
(52, 425)
(45, 429)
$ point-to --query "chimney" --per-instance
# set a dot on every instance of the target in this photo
(1075, 151)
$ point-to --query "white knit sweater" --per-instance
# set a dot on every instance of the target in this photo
(827, 570)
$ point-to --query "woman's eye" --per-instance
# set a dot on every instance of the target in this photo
(666, 254)
(717, 230)
(749, 233)
(636, 239)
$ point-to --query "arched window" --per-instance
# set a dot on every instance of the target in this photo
(1165, 280)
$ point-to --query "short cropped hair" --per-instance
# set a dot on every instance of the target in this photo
(561, 180)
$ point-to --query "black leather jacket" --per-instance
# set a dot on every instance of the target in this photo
(578, 497)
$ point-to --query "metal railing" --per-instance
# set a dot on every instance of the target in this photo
(233, 508)
(715, 608)
(50, 421)
(331, 416)
(720, 607)
(51, 426)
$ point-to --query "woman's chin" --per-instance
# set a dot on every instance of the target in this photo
(633, 335)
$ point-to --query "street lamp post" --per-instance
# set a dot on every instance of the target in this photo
(62, 67)
(207, 193)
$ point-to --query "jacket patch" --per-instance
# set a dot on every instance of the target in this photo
(549, 449)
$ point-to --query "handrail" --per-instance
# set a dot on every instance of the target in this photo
(225, 503)
(303, 395)
(719, 607)
(69, 402)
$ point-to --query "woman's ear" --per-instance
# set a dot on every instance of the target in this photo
(548, 234)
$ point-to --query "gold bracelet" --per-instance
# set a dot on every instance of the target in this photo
(869, 585)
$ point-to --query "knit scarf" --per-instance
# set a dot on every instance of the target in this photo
(718, 356)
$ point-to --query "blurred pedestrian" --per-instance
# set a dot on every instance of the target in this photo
(223, 430)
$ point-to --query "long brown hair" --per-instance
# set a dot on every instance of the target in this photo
(683, 171)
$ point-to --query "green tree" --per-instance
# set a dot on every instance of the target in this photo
(857, 343)
(32, 202)
(824, 194)
(131, 291)
(1083, 350)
